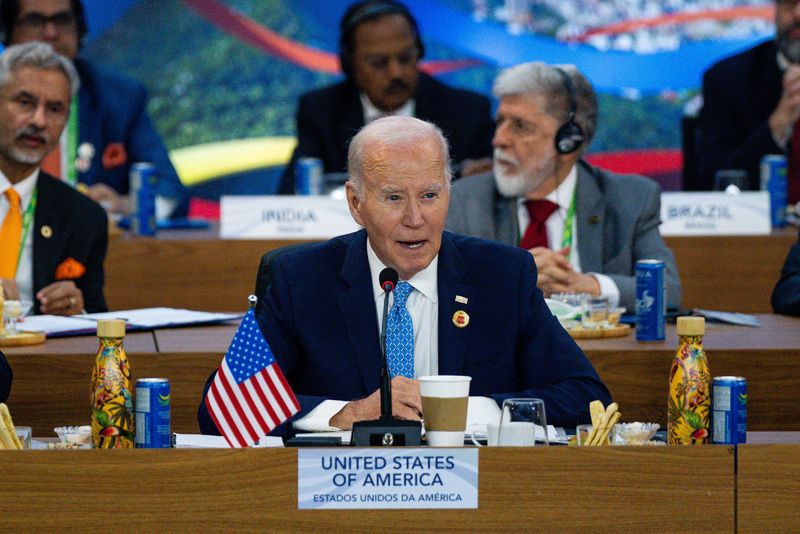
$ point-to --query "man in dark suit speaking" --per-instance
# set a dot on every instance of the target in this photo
(380, 49)
(466, 306)
(53, 239)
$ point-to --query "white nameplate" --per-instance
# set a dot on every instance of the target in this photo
(715, 213)
(284, 217)
(387, 478)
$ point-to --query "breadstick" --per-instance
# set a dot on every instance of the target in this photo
(5, 416)
(603, 440)
(610, 410)
(596, 410)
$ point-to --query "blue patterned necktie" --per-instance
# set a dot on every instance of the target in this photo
(400, 335)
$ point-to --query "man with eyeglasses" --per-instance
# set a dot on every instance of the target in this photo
(585, 227)
(751, 106)
(380, 50)
(53, 239)
(109, 129)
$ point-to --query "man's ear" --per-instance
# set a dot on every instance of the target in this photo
(353, 202)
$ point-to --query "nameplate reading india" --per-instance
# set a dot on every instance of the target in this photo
(715, 213)
(387, 478)
(284, 217)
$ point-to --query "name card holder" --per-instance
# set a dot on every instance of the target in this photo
(284, 217)
(715, 214)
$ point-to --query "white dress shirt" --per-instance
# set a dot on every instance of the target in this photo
(562, 196)
(423, 306)
(24, 189)
(371, 112)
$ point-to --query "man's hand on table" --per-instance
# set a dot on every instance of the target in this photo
(9, 287)
(61, 298)
(406, 404)
(556, 274)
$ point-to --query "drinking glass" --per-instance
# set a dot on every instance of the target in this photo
(596, 313)
(519, 421)
(12, 311)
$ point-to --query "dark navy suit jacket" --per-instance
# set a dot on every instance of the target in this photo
(786, 295)
(113, 109)
(68, 224)
(319, 319)
(5, 378)
(329, 117)
(739, 94)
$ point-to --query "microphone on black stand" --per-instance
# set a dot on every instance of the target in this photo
(386, 430)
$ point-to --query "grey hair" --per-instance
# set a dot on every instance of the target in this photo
(37, 55)
(398, 132)
(542, 79)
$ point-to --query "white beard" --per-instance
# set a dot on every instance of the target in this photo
(524, 181)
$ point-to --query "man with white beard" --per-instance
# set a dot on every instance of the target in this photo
(585, 227)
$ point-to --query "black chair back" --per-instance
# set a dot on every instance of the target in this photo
(262, 276)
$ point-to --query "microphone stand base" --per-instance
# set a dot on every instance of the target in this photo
(386, 433)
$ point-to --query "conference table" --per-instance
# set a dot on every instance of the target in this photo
(51, 383)
(198, 270)
(714, 488)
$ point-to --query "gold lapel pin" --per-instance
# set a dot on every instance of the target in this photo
(461, 300)
(47, 232)
(594, 219)
(460, 319)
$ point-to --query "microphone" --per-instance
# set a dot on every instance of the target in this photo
(388, 280)
(386, 430)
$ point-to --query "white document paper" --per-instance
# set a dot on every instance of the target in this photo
(142, 319)
(201, 441)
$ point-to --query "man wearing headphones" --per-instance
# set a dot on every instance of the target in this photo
(585, 227)
(379, 50)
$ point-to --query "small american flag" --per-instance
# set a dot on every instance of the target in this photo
(249, 396)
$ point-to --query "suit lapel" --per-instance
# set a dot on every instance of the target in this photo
(48, 232)
(589, 214)
(453, 340)
(357, 305)
(506, 222)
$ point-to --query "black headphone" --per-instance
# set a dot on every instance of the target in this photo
(569, 136)
(364, 11)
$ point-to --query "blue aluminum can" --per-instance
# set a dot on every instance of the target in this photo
(729, 410)
(152, 414)
(143, 198)
(308, 177)
(651, 300)
(773, 180)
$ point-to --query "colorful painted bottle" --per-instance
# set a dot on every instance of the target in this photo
(110, 395)
(689, 405)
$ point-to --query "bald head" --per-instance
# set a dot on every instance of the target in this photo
(394, 133)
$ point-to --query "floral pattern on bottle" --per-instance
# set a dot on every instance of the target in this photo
(689, 405)
(110, 396)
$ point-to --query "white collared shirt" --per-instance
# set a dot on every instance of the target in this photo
(423, 306)
(371, 112)
(25, 189)
(562, 196)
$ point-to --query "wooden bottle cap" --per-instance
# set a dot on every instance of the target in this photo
(691, 326)
(110, 328)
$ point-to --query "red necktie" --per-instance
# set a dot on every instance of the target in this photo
(793, 172)
(536, 233)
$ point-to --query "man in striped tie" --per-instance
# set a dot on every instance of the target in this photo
(462, 306)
